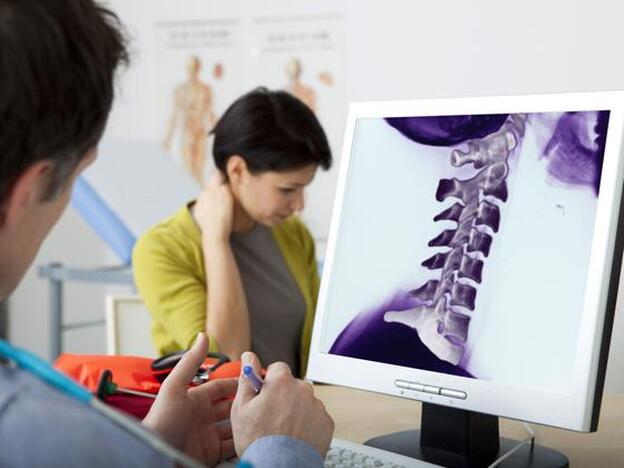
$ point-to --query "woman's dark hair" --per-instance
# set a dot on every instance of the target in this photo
(271, 131)
(57, 64)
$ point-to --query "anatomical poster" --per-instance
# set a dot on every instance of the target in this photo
(199, 74)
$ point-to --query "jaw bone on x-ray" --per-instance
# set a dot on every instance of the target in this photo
(428, 325)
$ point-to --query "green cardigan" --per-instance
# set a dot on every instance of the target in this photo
(169, 272)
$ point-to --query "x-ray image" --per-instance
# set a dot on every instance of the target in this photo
(465, 240)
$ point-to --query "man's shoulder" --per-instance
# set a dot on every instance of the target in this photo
(42, 427)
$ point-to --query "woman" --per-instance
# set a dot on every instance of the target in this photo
(236, 263)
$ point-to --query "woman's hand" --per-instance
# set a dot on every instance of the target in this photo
(195, 420)
(214, 210)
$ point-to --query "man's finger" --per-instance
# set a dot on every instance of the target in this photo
(185, 370)
(225, 431)
(227, 449)
(216, 390)
(221, 410)
(278, 370)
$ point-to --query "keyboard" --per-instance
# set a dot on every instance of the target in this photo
(344, 454)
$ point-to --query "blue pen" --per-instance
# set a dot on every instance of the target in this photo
(254, 379)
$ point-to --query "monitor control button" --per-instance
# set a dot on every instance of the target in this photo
(416, 387)
(431, 389)
(453, 393)
(402, 384)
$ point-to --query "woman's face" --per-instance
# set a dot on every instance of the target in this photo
(271, 197)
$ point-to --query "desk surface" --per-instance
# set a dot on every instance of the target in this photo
(361, 415)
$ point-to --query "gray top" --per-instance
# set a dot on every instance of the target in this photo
(40, 427)
(275, 303)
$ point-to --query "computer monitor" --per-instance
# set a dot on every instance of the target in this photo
(473, 258)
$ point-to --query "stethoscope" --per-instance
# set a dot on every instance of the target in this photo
(45, 372)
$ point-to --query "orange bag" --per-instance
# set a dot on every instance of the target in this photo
(128, 373)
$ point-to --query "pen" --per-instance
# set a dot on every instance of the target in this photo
(254, 380)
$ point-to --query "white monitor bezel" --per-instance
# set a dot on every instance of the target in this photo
(576, 410)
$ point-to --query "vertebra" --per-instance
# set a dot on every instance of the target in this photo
(439, 321)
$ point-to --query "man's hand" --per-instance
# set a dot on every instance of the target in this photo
(284, 406)
(214, 210)
(195, 420)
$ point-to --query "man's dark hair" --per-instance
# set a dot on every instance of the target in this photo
(57, 66)
(271, 131)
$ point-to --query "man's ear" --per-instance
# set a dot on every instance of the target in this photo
(236, 169)
(26, 192)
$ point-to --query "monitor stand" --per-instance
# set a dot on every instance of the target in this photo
(457, 438)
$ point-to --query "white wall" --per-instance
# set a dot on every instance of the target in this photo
(395, 49)
(453, 48)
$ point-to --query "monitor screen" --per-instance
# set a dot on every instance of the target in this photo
(471, 255)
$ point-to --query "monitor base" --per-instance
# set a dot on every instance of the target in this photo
(408, 443)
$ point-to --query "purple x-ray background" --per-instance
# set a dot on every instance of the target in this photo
(574, 157)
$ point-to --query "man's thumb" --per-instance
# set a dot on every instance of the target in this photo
(184, 371)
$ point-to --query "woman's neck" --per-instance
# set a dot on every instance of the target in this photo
(241, 222)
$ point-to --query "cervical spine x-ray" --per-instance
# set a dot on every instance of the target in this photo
(488, 240)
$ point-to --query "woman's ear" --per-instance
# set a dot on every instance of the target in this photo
(236, 170)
